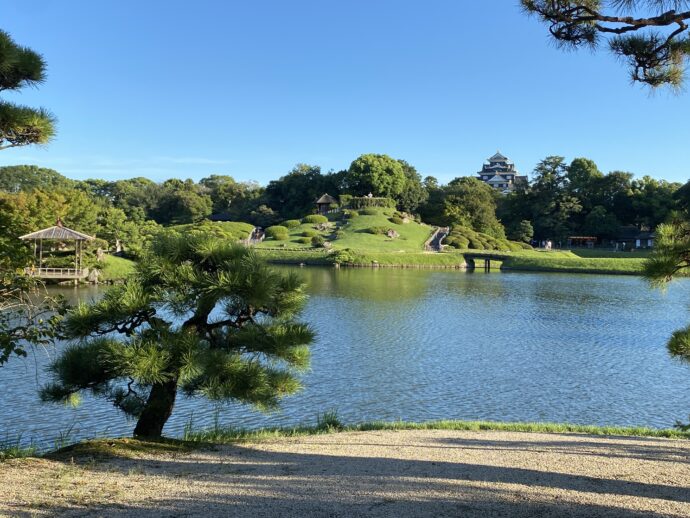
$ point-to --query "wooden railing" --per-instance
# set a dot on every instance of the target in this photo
(57, 273)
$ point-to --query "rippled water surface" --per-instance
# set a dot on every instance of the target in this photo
(420, 345)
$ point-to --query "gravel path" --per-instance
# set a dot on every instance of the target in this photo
(391, 473)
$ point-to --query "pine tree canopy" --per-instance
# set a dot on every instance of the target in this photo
(21, 125)
(201, 316)
(651, 36)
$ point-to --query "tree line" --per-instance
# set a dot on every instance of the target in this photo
(562, 199)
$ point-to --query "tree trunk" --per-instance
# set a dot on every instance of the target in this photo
(157, 410)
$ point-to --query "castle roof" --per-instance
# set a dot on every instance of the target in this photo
(498, 157)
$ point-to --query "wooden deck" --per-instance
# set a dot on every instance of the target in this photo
(57, 273)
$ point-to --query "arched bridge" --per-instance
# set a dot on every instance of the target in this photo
(472, 259)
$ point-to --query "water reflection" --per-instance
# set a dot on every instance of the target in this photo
(418, 345)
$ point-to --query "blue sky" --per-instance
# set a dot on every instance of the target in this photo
(186, 89)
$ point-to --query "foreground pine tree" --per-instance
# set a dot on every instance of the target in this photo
(201, 316)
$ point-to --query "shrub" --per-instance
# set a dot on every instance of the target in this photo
(310, 233)
(396, 220)
(377, 230)
(361, 202)
(345, 200)
(291, 223)
(314, 219)
(369, 212)
(317, 241)
(349, 214)
(276, 230)
(304, 240)
(339, 234)
(475, 244)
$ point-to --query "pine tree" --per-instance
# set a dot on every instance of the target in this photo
(651, 36)
(21, 125)
(201, 316)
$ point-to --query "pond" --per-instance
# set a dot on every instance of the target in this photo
(421, 345)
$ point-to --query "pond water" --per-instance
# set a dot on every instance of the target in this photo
(421, 345)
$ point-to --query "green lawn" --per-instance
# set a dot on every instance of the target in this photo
(592, 261)
(115, 268)
(355, 236)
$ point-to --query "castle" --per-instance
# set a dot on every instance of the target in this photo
(500, 173)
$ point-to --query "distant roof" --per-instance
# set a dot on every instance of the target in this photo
(498, 157)
(326, 199)
(58, 232)
(497, 179)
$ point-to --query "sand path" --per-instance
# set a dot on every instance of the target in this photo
(387, 473)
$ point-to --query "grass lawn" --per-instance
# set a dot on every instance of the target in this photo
(592, 261)
(354, 235)
(115, 268)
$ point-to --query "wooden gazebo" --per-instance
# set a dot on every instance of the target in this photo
(323, 204)
(59, 233)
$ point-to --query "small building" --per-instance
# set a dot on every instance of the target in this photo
(323, 204)
(630, 237)
(499, 172)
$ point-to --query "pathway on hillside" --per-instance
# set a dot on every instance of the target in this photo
(436, 242)
(382, 473)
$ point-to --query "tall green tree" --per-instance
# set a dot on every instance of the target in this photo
(293, 195)
(552, 205)
(231, 198)
(181, 202)
(201, 316)
(414, 193)
(466, 202)
(380, 175)
(21, 67)
(651, 36)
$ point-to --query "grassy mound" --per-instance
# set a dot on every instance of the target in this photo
(366, 232)
(115, 268)
(464, 238)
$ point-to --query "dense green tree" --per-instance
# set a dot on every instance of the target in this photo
(583, 177)
(520, 231)
(293, 195)
(551, 204)
(21, 67)
(652, 201)
(263, 216)
(181, 202)
(237, 339)
(414, 193)
(379, 175)
(17, 178)
(430, 183)
(231, 198)
(651, 36)
(600, 223)
(466, 202)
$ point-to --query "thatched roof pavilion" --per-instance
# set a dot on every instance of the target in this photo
(58, 232)
(324, 203)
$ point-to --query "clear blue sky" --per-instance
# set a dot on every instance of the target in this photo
(186, 89)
